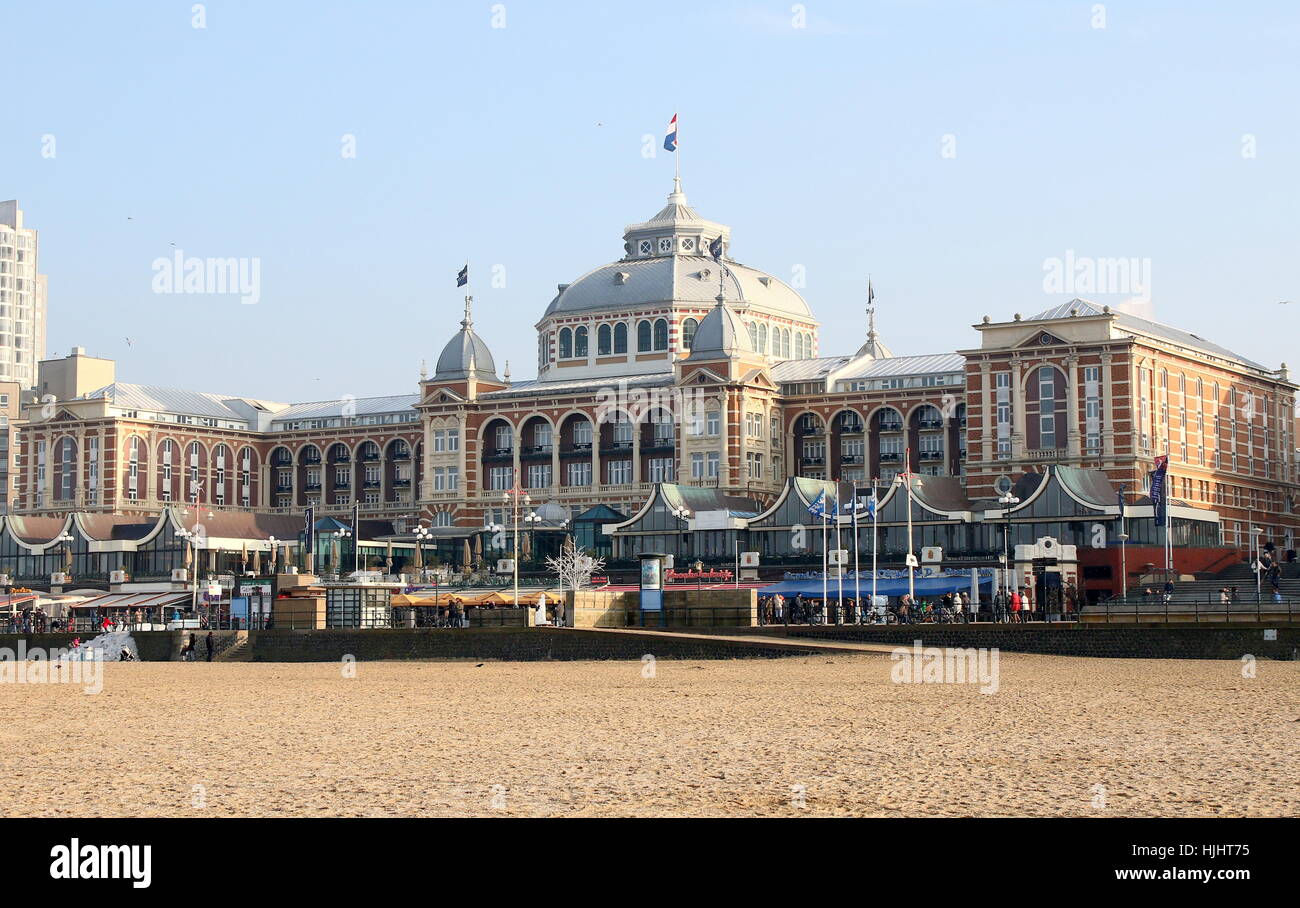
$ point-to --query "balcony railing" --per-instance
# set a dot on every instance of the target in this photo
(578, 447)
(810, 430)
(812, 461)
(891, 458)
(402, 454)
(617, 446)
(536, 451)
(931, 455)
(930, 424)
(851, 428)
(370, 455)
(883, 426)
(850, 458)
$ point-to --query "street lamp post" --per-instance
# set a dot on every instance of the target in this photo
(422, 535)
(1008, 501)
(513, 497)
(342, 534)
(1255, 563)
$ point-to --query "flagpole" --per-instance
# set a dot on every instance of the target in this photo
(857, 572)
(874, 535)
(911, 557)
(825, 567)
(677, 157)
(839, 575)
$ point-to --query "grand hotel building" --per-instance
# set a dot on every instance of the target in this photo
(665, 371)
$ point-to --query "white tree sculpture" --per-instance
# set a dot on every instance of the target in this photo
(574, 566)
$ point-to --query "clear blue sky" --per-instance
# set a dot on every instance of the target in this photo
(521, 146)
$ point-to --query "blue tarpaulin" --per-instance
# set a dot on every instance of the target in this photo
(811, 587)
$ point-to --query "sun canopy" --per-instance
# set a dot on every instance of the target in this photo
(811, 587)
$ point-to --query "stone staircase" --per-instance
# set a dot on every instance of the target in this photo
(1206, 590)
(239, 651)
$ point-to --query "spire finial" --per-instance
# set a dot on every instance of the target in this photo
(469, 319)
(424, 369)
(871, 313)
(507, 372)
(677, 197)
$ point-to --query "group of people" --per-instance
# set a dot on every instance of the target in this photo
(950, 607)
(1019, 605)
(189, 652)
(451, 613)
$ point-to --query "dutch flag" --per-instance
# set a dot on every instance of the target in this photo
(670, 137)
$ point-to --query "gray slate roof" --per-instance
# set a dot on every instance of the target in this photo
(1145, 326)
(676, 278)
(156, 398)
(363, 406)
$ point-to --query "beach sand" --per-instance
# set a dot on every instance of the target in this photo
(824, 735)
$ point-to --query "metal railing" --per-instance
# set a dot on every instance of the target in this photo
(1180, 609)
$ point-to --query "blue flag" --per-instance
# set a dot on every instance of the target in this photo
(715, 248)
(462, 276)
(1159, 495)
(871, 505)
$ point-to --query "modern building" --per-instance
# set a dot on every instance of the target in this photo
(670, 368)
(22, 298)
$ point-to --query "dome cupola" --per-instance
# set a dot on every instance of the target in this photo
(466, 356)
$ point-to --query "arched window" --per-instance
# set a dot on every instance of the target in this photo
(761, 346)
(220, 463)
(604, 341)
(566, 343)
(245, 476)
(785, 342)
(580, 342)
(620, 338)
(1047, 416)
(192, 464)
(661, 334)
(688, 333)
(133, 470)
(753, 335)
(643, 337)
(67, 467)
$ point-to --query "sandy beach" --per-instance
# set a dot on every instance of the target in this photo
(825, 735)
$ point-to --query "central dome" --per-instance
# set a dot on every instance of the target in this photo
(665, 279)
(639, 314)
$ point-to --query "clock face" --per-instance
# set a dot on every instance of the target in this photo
(666, 244)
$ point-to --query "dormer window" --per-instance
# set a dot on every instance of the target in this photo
(688, 244)
(645, 247)
(621, 277)
(665, 244)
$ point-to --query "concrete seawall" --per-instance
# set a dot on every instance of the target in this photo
(506, 644)
(1122, 641)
